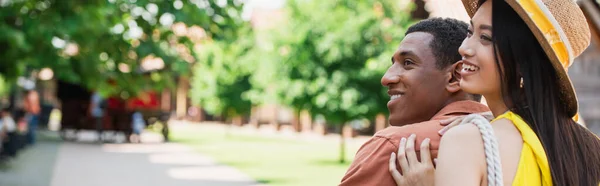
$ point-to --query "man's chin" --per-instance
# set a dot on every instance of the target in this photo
(398, 121)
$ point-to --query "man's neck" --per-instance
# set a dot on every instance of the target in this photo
(458, 97)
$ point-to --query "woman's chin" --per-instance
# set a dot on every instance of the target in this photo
(470, 87)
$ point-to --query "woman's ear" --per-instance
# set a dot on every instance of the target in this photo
(453, 73)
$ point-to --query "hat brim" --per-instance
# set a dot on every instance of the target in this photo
(567, 91)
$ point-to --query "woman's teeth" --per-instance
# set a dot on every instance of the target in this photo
(471, 68)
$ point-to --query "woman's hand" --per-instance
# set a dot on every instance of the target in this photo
(413, 172)
(454, 121)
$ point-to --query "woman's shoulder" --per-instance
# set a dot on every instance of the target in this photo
(502, 124)
(505, 128)
(461, 155)
(462, 132)
(467, 137)
(468, 133)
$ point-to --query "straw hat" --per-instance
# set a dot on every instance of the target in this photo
(561, 29)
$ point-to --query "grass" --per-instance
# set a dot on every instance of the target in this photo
(272, 161)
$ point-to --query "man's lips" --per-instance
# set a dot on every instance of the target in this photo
(395, 94)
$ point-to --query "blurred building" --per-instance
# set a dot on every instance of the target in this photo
(585, 72)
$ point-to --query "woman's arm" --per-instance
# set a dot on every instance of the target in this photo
(461, 158)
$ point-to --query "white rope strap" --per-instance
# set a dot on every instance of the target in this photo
(490, 145)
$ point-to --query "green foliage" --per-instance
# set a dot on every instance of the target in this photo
(332, 55)
(222, 76)
(4, 87)
(87, 42)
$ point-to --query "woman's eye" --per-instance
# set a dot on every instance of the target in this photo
(487, 38)
(469, 33)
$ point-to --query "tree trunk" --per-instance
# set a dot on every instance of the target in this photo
(296, 121)
(237, 121)
(181, 97)
(342, 144)
(229, 125)
(228, 130)
(306, 121)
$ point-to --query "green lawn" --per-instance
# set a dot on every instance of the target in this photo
(273, 161)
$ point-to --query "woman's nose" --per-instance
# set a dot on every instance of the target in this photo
(465, 49)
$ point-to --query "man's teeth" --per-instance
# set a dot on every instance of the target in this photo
(395, 97)
(470, 67)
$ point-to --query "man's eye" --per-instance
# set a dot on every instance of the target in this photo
(408, 62)
(469, 33)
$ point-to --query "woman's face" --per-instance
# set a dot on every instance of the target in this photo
(479, 71)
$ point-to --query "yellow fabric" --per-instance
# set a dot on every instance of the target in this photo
(533, 166)
(545, 25)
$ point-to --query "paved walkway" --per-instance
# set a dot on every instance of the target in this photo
(55, 163)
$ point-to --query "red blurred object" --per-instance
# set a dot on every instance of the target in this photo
(145, 101)
(114, 103)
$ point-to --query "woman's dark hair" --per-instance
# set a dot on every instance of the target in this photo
(572, 150)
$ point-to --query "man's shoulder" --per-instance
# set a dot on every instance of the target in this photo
(423, 129)
(370, 163)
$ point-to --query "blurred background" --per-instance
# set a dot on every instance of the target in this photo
(207, 92)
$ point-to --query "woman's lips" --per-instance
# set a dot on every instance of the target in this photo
(468, 68)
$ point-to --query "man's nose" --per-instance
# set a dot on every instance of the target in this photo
(391, 76)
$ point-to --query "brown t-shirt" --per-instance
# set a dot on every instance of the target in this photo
(370, 165)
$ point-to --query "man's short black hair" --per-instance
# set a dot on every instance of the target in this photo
(448, 35)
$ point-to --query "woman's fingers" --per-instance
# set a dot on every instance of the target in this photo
(412, 171)
(393, 170)
(411, 155)
(451, 120)
(404, 166)
(449, 126)
(425, 153)
(447, 121)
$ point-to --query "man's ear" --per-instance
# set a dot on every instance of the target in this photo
(453, 77)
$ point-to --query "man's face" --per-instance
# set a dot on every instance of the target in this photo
(417, 87)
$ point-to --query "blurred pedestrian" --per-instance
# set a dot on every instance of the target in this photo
(31, 104)
(11, 140)
(97, 106)
(138, 124)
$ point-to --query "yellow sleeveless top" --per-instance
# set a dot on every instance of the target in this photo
(533, 168)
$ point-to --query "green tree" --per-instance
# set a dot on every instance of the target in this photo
(222, 77)
(333, 54)
(93, 41)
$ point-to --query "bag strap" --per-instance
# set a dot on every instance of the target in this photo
(490, 145)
